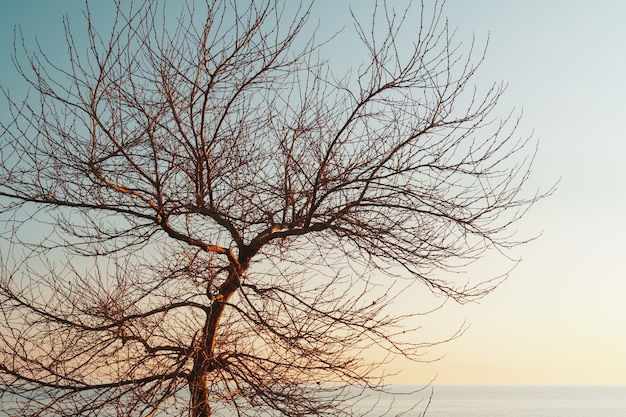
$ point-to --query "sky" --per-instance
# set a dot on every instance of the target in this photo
(560, 318)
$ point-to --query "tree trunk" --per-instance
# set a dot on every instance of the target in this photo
(204, 355)
(200, 406)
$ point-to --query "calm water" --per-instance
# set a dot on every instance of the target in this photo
(494, 401)
(508, 401)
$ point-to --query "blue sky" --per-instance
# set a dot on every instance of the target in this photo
(561, 315)
(560, 318)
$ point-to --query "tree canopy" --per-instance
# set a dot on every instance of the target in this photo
(203, 216)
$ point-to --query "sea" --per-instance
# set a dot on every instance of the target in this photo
(499, 401)
(489, 401)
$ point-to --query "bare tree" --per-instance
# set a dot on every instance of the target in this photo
(204, 217)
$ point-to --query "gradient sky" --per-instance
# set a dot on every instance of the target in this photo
(561, 316)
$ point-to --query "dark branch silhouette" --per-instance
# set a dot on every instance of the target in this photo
(204, 216)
